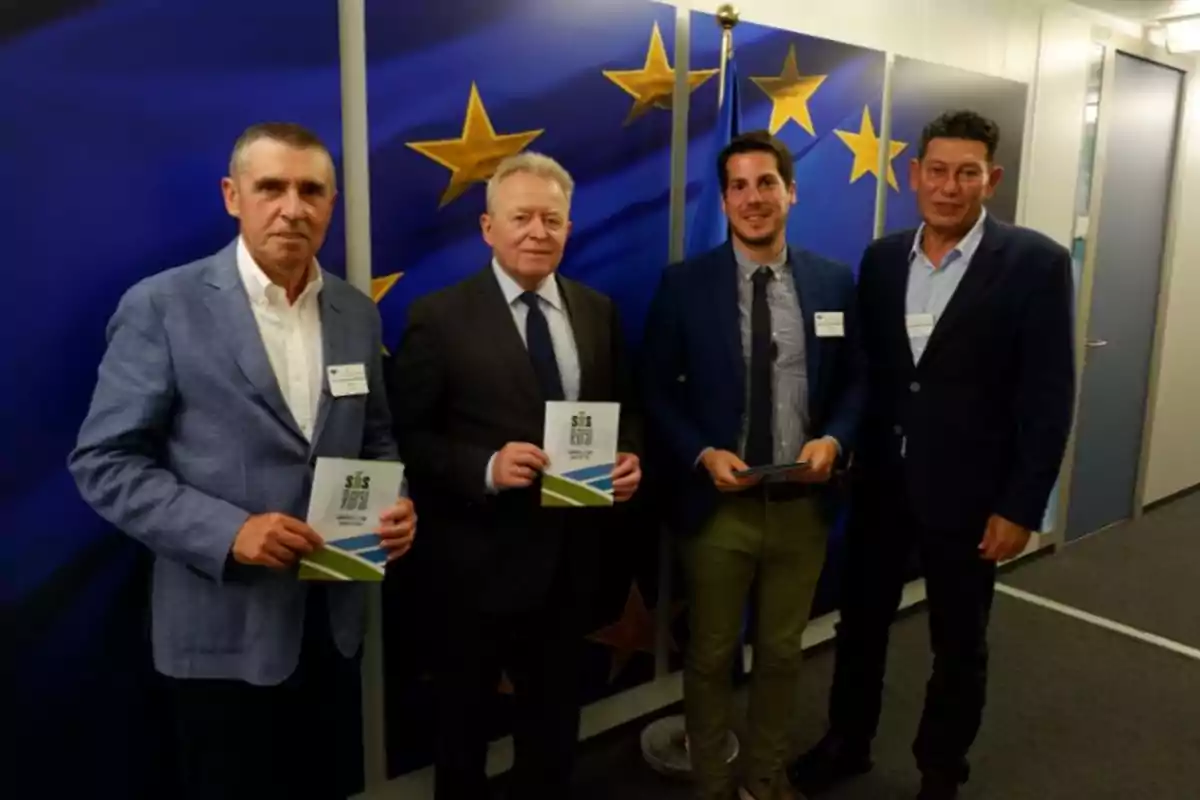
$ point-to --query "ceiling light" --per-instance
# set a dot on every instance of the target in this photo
(1183, 35)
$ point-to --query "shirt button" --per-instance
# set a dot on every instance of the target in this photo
(914, 387)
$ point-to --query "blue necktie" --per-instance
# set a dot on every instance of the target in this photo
(541, 349)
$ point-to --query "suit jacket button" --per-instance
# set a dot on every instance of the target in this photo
(914, 387)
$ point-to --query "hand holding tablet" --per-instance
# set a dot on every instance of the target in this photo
(768, 470)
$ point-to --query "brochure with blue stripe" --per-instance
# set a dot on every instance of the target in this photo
(348, 496)
(581, 441)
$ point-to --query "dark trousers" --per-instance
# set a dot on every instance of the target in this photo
(539, 650)
(300, 739)
(882, 534)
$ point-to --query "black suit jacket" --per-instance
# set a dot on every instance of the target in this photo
(984, 418)
(462, 387)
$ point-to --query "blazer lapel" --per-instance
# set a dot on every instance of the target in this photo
(811, 298)
(334, 351)
(494, 319)
(981, 274)
(895, 294)
(728, 313)
(586, 330)
(235, 325)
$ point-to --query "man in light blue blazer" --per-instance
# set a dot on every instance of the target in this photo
(211, 407)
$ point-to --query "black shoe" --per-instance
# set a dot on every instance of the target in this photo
(831, 761)
(936, 786)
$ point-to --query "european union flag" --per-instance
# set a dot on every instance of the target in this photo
(709, 227)
(823, 100)
(140, 103)
(453, 90)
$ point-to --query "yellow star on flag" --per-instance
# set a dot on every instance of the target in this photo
(865, 146)
(790, 93)
(474, 156)
(652, 85)
(380, 287)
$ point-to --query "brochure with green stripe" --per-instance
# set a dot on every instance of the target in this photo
(581, 441)
(348, 496)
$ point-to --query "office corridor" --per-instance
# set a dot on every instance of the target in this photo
(1076, 710)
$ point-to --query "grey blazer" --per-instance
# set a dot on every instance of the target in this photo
(188, 435)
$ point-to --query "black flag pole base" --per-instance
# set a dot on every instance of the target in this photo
(664, 747)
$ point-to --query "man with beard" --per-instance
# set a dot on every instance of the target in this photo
(752, 359)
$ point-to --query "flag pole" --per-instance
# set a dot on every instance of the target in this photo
(727, 17)
(664, 741)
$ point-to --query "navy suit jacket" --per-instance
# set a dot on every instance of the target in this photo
(695, 369)
(984, 417)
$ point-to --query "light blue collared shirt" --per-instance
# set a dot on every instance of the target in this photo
(789, 370)
(930, 287)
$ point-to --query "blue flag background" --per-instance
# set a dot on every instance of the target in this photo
(117, 121)
(812, 94)
(453, 89)
(710, 227)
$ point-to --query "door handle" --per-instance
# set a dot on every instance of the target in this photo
(1097, 342)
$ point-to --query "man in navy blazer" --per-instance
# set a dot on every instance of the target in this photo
(966, 323)
(211, 408)
(752, 358)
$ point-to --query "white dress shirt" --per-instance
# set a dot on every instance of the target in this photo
(291, 334)
(561, 334)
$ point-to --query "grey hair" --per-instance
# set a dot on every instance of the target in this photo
(535, 164)
(289, 133)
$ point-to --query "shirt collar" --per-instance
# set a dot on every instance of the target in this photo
(747, 266)
(966, 247)
(548, 290)
(260, 288)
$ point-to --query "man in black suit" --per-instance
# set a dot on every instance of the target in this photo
(478, 363)
(967, 327)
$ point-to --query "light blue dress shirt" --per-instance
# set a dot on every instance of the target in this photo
(931, 286)
(789, 371)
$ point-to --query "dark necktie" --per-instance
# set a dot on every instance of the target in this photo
(541, 349)
(760, 445)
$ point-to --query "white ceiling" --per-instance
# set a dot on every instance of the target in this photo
(1143, 10)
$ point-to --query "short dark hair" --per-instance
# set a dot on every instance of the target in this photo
(290, 133)
(757, 142)
(962, 124)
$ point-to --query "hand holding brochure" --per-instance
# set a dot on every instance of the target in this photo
(581, 441)
(348, 495)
